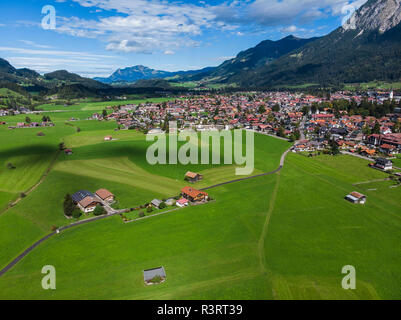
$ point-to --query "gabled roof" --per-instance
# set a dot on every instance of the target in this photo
(87, 202)
(191, 175)
(357, 195)
(193, 193)
(104, 194)
(156, 202)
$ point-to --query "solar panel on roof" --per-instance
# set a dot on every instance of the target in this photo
(80, 195)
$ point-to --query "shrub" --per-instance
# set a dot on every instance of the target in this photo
(156, 279)
(23, 195)
(99, 211)
(76, 213)
(141, 214)
(149, 209)
(10, 166)
(162, 205)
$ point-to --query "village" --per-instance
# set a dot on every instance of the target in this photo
(313, 122)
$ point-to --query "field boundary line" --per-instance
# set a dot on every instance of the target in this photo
(35, 186)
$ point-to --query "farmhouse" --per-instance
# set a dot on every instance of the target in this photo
(356, 197)
(193, 195)
(193, 177)
(88, 204)
(108, 138)
(383, 164)
(105, 195)
(68, 152)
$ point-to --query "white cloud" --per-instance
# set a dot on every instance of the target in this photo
(289, 29)
(280, 12)
(35, 45)
(44, 61)
(148, 26)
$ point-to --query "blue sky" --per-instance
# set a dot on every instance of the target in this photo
(95, 37)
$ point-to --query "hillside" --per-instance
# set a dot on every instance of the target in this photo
(258, 57)
(63, 83)
(72, 78)
(367, 48)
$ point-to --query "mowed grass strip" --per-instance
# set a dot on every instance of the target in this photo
(121, 170)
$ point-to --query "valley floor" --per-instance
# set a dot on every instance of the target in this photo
(282, 236)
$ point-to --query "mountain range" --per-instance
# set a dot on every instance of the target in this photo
(133, 74)
(366, 48)
(259, 56)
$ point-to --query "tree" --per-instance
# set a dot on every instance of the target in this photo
(76, 213)
(366, 129)
(281, 132)
(376, 128)
(334, 148)
(262, 109)
(276, 107)
(28, 120)
(99, 210)
(162, 205)
(397, 127)
(149, 209)
(305, 110)
(68, 205)
(104, 112)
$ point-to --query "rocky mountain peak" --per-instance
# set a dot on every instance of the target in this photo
(380, 15)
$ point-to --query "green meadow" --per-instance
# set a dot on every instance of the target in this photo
(282, 236)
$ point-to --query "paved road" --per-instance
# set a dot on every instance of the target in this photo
(282, 160)
(114, 212)
(31, 248)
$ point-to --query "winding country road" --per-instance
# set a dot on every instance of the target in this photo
(36, 244)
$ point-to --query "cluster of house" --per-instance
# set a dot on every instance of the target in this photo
(350, 134)
(32, 125)
(14, 112)
(265, 112)
(188, 195)
(87, 201)
(258, 111)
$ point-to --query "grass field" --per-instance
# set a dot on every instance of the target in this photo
(248, 244)
(283, 236)
(374, 85)
(397, 161)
